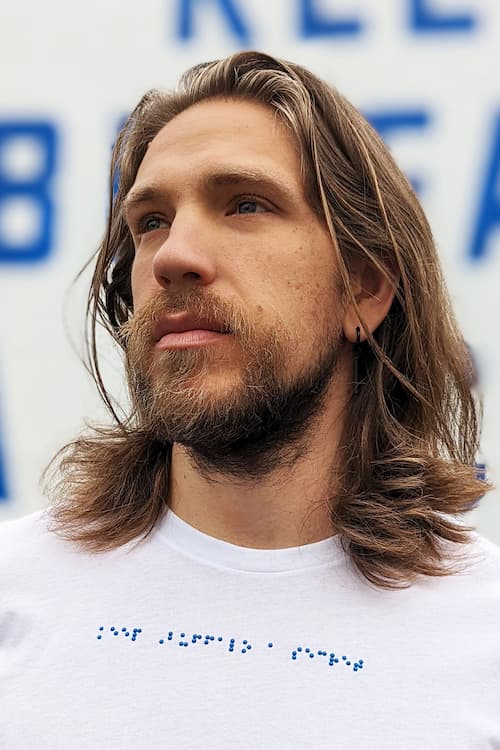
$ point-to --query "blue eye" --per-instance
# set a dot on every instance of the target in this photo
(150, 224)
(249, 207)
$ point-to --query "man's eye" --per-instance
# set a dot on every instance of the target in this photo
(249, 207)
(150, 223)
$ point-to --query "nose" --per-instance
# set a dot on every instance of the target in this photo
(186, 257)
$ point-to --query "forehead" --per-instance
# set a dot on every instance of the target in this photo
(220, 132)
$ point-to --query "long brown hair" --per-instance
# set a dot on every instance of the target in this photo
(411, 434)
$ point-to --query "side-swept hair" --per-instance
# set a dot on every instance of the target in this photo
(411, 434)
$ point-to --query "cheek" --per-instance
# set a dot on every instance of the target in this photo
(140, 281)
(307, 281)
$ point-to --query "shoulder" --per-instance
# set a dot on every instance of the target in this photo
(27, 542)
(476, 583)
(21, 538)
(486, 563)
(18, 531)
(484, 554)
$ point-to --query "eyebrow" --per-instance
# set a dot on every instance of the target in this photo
(156, 191)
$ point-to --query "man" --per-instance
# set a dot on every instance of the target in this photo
(266, 550)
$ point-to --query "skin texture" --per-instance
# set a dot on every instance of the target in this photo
(260, 248)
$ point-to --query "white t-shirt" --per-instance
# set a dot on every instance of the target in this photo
(187, 641)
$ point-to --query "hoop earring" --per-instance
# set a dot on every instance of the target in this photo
(356, 355)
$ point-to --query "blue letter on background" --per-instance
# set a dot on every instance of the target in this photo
(3, 480)
(313, 24)
(228, 7)
(387, 122)
(425, 19)
(34, 189)
(488, 218)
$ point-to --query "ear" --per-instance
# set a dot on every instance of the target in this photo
(374, 293)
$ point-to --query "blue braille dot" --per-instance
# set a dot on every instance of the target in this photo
(243, 650)
(336, 660)
(294, 653)
(205, 642)
(99, 637)
(344, 658)
(332, 654)
(294, 657)
(249, 647)
(113, 628)
(355, 667)
(212, 637)
(161, 640)
(245, 643)
(170, 632)
(102, 627)
(361, 666)
(360, 661)
(307, 650)
(299, 648)
(127, 633)
(116, 632)
(124, 630)
(220, 638)
(348, 663)
(320, 653)
(180, 643)
(183, 635)
(232, 640)
(169, 637)
(311, 656)
(269, 645)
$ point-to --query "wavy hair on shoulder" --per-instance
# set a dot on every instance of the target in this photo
(411, 435)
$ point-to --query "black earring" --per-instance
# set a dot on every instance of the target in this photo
(356, 353)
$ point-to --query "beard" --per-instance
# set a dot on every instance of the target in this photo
(256, 416)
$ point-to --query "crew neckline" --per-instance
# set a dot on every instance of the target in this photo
(194, 543)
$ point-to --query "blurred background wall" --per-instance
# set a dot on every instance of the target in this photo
(424, 72)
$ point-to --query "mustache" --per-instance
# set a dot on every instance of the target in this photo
(199, 302)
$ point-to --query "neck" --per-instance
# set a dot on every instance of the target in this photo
(288, 507)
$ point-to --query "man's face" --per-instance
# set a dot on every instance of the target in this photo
(223, 232)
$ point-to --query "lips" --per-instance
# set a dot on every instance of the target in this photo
(182, 322)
